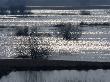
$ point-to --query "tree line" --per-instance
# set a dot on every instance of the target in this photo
(14, 10)
(13, 7)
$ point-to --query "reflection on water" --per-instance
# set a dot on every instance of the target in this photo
(58, 76)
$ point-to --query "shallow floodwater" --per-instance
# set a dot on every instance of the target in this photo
(92, 43)
(19, 34)
(58, 76)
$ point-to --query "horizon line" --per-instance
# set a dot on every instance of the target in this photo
(69, 6)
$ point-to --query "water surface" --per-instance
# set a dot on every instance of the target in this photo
(58, 76)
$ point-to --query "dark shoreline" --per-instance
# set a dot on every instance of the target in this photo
(34, 65)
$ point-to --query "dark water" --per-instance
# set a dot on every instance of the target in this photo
(58, 76)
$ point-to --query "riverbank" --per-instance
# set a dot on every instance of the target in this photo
(31, 64)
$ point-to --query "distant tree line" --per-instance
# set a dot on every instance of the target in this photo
(14, 10)
(14, 7)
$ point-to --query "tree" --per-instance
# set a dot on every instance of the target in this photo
(22, 31)
(34, 50)
(69, 32)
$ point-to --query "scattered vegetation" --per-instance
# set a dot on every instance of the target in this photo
(22, 31)
(39, 53)
(69, 32)
(83, 12)
(67, 14)
(33, 50)
(95, 24)
(60, 25)
(23, 56)
(66, 31)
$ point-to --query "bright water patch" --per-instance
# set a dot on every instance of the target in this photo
(91, 43)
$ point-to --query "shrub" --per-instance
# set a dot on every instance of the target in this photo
(22, 31)
(85, 12)
(39, 53)
(69, 32)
